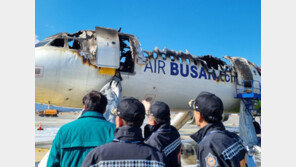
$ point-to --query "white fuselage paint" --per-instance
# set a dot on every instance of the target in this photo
(65, 79)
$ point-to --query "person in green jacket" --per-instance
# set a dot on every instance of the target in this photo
(76, 139)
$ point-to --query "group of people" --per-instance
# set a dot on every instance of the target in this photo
(91, 140)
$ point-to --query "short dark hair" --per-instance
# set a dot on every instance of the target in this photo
(95, 101)
(137, 123)
(211, 119)
(160, 121)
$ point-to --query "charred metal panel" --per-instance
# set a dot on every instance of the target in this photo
(212, 65)
(137, 51)
(207, 61)
(108, 51)
(212, 62)
(87, 41)
(256, 67)
(242, 67)
(88, 45)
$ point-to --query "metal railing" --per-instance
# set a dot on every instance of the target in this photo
(249, 87)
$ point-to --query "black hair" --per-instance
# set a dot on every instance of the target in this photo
(160, 121)
(95, 101)
(217, 118)
(138, 123)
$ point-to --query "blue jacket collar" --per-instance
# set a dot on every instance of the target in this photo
(200, 134)
(149, 129)
(128, 133)
(92, 114)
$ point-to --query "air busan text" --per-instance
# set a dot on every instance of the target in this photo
(186, 70)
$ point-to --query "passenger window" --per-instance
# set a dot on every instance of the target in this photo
(59, 42)
(73, 44)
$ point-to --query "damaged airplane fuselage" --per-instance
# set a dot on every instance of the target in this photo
(67, 66)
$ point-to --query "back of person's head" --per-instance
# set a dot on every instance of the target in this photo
(210, 106)
(132, 111)
(95, 101)
(160, 112)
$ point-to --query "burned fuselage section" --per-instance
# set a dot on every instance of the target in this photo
(85, 43)
(130, 53)
(215, 67)
(72, 61)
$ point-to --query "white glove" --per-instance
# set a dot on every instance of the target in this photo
(113, 92)
(116, 87)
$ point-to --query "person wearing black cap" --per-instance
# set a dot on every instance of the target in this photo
(128, 147)
(216, 146)
(160, 134)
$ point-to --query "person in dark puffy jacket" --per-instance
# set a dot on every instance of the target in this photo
(160, 134)
(217, 147)
(128, 147)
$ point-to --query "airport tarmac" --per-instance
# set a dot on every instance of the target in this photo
(43, 138)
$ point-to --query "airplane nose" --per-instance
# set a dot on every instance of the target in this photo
(62, 77)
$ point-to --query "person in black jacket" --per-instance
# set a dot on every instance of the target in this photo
(217, 147)
(160, 134)
(128, 147)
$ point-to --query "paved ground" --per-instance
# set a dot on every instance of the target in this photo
(43, 139)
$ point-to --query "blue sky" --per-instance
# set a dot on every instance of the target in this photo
(215, 27)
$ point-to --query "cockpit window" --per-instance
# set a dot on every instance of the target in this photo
(73, 44)
(59, 42)
(41, 43)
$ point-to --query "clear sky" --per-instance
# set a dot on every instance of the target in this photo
(215, 27)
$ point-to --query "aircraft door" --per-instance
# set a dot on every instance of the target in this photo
(108, 53)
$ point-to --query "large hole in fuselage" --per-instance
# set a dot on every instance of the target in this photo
(127, 62)
(59, 42)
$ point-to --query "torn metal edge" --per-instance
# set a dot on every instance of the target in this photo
(211, 64)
